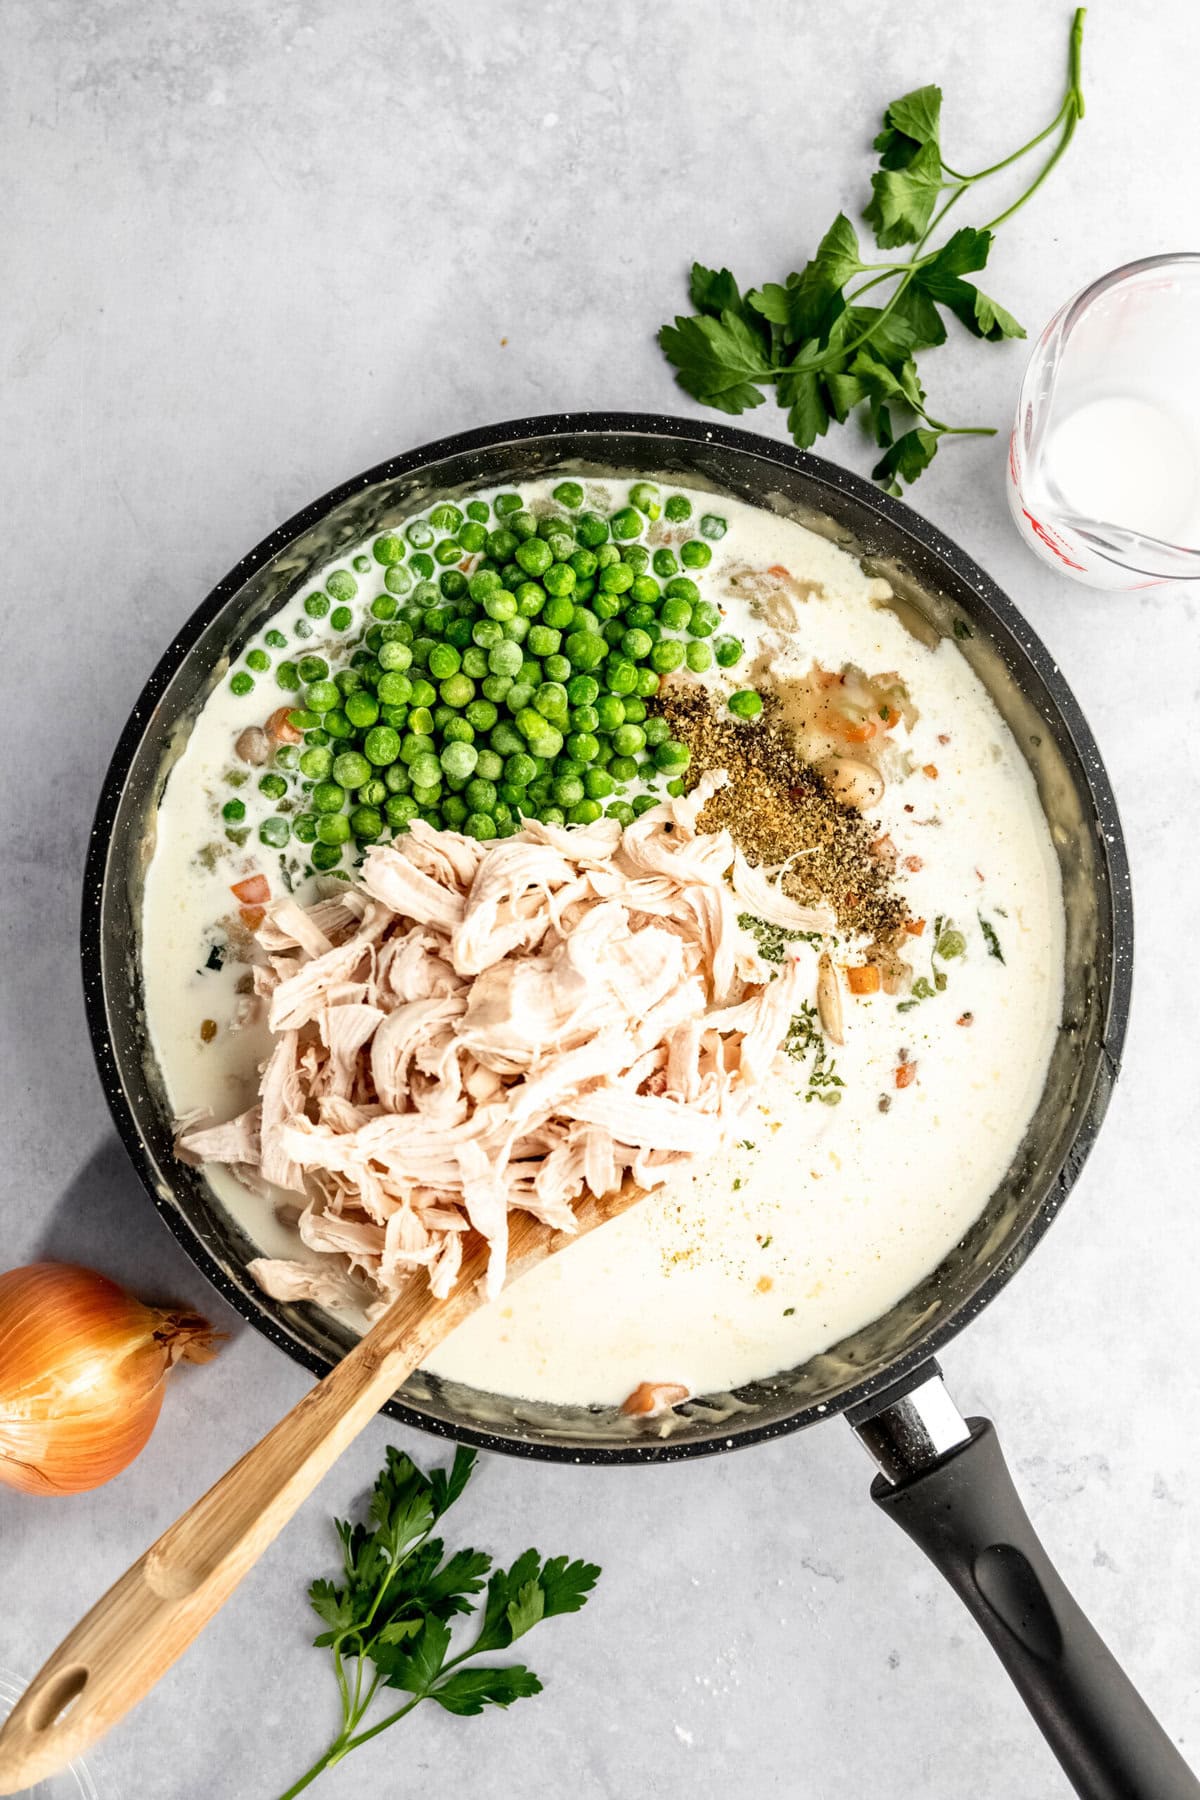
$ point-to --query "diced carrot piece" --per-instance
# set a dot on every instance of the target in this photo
(254, 890)
(251, 916)
(913, 864)
(930, 769)
(864, 978)
(906, 1074)
(651, 1397)
(914, 927)
(778, 569)
(280, 727)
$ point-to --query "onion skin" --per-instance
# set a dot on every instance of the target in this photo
(83, 1369)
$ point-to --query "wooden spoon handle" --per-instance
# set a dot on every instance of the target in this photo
(148, 1618)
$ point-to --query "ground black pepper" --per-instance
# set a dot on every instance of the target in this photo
(777, 808)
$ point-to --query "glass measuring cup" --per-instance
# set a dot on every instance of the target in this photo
(1104, 458)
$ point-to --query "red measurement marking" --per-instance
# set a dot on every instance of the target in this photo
(1040, 530)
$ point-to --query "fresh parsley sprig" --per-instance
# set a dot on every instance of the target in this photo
(825, 351)
(388, 1620)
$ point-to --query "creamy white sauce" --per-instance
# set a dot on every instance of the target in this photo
(830, 1214)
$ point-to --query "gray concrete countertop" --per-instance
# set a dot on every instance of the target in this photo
(252, 249)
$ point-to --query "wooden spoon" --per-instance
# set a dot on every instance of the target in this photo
(148, 1618)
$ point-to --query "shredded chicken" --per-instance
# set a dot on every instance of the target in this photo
(481, 1027)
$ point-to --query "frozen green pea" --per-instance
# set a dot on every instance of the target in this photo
(667, 655)
(382, 745)
(671, 756)
(315, 763)
(559, 579)
(388, 549)
(366, 822)
(705, 619)
(327, 797)
(617, 578)
(362, 709)
(444, 660)
(534, 556)
(459, 760)
(745, 703)
(320, 696)
(505, 658)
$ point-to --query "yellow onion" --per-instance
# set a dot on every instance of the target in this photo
(83, 1368)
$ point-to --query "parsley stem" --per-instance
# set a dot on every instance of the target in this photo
(995, 168)
(1070, 113)
(364, 1737)
(310, 1775)
(1072, 104)
(339, 1669)
(1031, 190)
(909, 269)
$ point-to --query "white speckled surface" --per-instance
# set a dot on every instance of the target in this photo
(251, 250)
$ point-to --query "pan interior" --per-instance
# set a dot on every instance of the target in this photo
(925, 572)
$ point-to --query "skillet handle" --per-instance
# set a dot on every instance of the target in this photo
(956, 1500)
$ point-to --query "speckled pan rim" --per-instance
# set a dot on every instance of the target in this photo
(899, 519)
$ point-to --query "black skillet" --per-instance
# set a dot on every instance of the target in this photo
(941, 1477)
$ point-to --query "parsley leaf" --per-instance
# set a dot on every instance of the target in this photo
(714, 291)
(941, 279)
(990, 938)
(567, 1585)
(902, 200)
(825, 346)
(808, 415)
(389, 1621)
(468, 1692)
(812, 299)
(907, 458)
(417, 1671)
(908, 125)
(445, 1489)
(717, 360)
